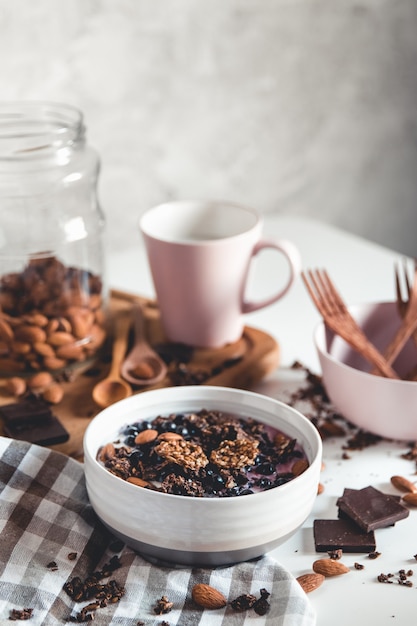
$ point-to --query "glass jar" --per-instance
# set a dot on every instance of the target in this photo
(53, 291)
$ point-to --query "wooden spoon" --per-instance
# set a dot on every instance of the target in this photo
(142, 366)
(113, 388)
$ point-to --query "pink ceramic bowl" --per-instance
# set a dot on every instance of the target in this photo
(379, 405)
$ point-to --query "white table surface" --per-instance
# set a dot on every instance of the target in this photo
(363, 271)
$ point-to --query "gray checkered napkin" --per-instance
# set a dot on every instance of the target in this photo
(45, 518)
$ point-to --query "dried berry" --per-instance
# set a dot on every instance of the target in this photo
(243, 602)
(20, 614)
(163, 606)
(262, 606)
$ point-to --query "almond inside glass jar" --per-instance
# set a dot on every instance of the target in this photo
(204, 454)
(51, 316)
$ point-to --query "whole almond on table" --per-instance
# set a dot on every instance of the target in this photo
(16, 386)
(41, 380)
(208, 597)
(53, 394)
(403, 484)
(310, 582)
(330, 567)
(410, 498)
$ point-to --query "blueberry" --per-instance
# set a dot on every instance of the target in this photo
(265, 483)
(266, 469)
(135, 457)
(245, 492)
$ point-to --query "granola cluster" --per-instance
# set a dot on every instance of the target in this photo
(203, 454)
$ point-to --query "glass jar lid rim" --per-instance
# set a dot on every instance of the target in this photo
(30, 127)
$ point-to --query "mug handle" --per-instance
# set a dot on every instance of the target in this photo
(293, 257)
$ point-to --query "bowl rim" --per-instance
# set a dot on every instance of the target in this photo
(312, 435)
(319, 338)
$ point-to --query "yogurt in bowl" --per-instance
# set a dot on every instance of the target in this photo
(175, 528)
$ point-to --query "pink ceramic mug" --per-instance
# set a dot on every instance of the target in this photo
(199, 255)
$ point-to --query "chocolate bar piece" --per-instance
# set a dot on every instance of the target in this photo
(333, 534)
(371, 509)
(32, 420)
(45, 432)
(32, 408)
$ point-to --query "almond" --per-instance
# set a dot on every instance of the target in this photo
(53, 394)
(60, 338)
(6, 331)
(11, 365)
(107, 452)
(20, 347)
(142, 370)
(135, 480)
(37, 319)
(40, 380)
(329, 567)
(80, 326)
(146, 436)
(310, 582)
(16, 386)
(29, 333)
(53, 363)
(410, 498)
(208, 597)
(403, 484)
(299, 467)
(70, 351)
(44, 349)
(169, 437)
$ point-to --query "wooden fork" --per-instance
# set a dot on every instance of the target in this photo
(403, 301)
(337, 317)
(408, 308)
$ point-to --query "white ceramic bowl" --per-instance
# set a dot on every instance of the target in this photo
(379, 405)
(200, 531)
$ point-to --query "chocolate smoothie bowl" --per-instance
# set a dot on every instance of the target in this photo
(203, 476)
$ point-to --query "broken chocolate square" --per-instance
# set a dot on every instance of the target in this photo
(331, 534)
(31, 419)
(371, 509)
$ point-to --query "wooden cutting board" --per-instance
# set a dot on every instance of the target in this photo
(239, 365)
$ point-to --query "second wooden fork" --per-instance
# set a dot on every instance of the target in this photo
(409, 315)
(338, 318)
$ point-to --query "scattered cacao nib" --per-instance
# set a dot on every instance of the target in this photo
(184, 375)
(335, 554)
(163, 606)
(411, 455)
(359, 566)
(402, 579)
(72, 556)
(20, 614)
(97, 593)
(385, 578)
(262, 606)
(361, 440)
(243, 602)
(374, 555)
(52, 565)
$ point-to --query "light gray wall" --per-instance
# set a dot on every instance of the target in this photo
(298, 106)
